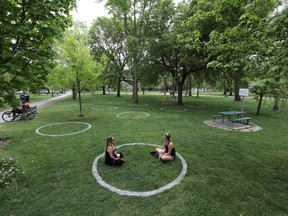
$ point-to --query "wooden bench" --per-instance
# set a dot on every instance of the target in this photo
(247, 119)
(216, 116)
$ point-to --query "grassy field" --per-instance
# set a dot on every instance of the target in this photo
(228, 172)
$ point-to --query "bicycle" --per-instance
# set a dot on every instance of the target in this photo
(14, 114)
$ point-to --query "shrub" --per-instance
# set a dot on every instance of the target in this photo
(9, 171)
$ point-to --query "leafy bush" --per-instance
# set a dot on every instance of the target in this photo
(9, 171)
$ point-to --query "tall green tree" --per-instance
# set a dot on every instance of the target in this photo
(172, 44)
(269, 68)
(107, 36)
(134, 16)
(27, 31)
(231, 46)
(75, 64)
(163, 47)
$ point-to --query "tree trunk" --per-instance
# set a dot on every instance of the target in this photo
(180, 87)
(236, 89)
(118, 87)
(165, 86)
(190, 87)
(80, 104)
(103, 90)
(79, 97)
(225, 91)
(275, 107)
(231, 92)
(173, 87)
(135, 89)
(74, 92)
(180, 94)
(259, 103)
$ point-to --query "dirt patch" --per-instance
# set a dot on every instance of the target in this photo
(3, 142)
(233, 127)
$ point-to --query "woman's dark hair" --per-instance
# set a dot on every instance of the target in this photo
(108, 140)
(167, 135)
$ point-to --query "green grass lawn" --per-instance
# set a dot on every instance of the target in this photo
(228, 173)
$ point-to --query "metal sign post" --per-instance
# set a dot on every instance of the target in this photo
(243, 93)
(243, 103)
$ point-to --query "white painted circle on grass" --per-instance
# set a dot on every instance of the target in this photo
(54, 135)
(133, 115)
(139, 193)
(138, 105)
(173, 109)
(105, 108)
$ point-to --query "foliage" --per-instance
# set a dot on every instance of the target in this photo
(168, 51)
(107, 36)
(27, 30)
(162, 38)
(277, 65)
(268, 66)
(76, 68)
(231, 47)
(123, 39)
(9, 171)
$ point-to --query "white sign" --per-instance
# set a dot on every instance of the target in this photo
(243, 92)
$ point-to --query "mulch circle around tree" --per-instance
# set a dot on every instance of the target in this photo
(235, 127)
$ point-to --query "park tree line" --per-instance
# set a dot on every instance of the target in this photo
(232, 43)
(239, 44)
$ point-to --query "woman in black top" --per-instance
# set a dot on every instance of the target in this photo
(112, 158)
(167, 153)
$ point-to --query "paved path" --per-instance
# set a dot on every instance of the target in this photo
(42, 103)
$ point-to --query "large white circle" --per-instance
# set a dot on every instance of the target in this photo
(138, 105)
(139, 193)
(165, 109)
(54, 135)
(105, 108)
(139, 115)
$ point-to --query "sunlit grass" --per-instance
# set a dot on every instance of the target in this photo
(229, 173)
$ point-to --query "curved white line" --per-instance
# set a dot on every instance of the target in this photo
(173, 110)
(54, 135)
(139, 193)
(111, 108)
(145, 115)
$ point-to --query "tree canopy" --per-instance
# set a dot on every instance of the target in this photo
(76, 69)
(28, 30)
(235, 43)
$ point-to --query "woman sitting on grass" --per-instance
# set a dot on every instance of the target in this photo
(168, 153)
(112, 158)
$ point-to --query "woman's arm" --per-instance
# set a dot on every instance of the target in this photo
(170, 147)
(110, 151)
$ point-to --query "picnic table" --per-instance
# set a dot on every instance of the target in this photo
(231, 113)
(239, 117)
